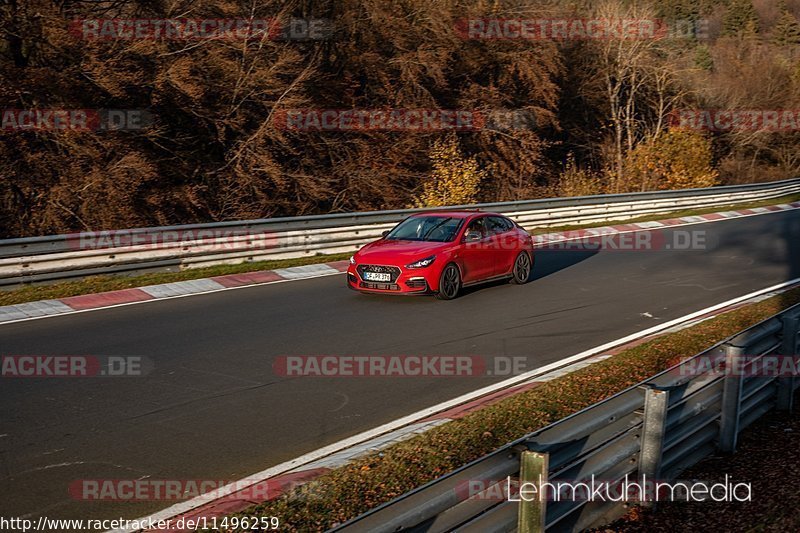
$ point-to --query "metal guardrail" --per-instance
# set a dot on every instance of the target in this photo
(659, 428)
(197, 245)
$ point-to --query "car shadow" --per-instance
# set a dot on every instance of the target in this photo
(546, 263)
(551, 261)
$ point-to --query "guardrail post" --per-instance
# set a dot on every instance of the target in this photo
(786, 384)
(533, 469)
(656, 404)
(731, 399)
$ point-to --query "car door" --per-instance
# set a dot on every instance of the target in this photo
(477, 257)
(505, 243)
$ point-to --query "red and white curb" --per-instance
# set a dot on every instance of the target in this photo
(562, 236)
(47, 308)
(282, 478)
(72, 304)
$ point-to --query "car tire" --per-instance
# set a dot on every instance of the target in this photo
(449, 283)
(521, 271)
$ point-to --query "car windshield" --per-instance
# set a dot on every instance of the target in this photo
(426, 228)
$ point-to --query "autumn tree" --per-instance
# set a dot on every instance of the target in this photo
(740, 17)
(640, 88)
(786, 31)
(674, 160)
(576, 181)
(215, 151)
(703, 58)
(454, 179)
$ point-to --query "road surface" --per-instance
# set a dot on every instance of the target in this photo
(212, 408)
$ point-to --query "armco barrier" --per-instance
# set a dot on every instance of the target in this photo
(190, 246)
(658, 428)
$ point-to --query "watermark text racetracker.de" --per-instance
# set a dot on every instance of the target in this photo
(598, 239)
(580, 29)
(204, 238)
(736, 120)
(744, 366)
(602, 239)
(74, 366)
(185, 29)
(172, 490)
(74, 120)
(405, 120)
(398, 366)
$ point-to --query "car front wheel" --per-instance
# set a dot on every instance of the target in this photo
(449, 283)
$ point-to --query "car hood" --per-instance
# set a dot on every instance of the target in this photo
(398, 253)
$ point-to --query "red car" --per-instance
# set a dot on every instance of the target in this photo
(440, 253)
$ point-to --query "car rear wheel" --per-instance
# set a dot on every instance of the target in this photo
(522, 269)
(449, 283)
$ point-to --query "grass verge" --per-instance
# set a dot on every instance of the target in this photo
(354, 489)
(96, 284)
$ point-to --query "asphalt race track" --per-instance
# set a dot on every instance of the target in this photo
(213, 408)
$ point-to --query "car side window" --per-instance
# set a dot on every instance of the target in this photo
(498, 225)
(479, 225)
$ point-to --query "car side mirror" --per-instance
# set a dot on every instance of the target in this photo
(473, 236)
(384, 233)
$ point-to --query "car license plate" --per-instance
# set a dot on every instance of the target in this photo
(377, 276)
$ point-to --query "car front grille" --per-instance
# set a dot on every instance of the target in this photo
(392, 270)
(380, 286)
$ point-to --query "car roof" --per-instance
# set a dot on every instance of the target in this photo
(457, 214)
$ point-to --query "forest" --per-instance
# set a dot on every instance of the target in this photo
(217, 134)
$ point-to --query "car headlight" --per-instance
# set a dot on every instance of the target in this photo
(422, 263)
(352, 260)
